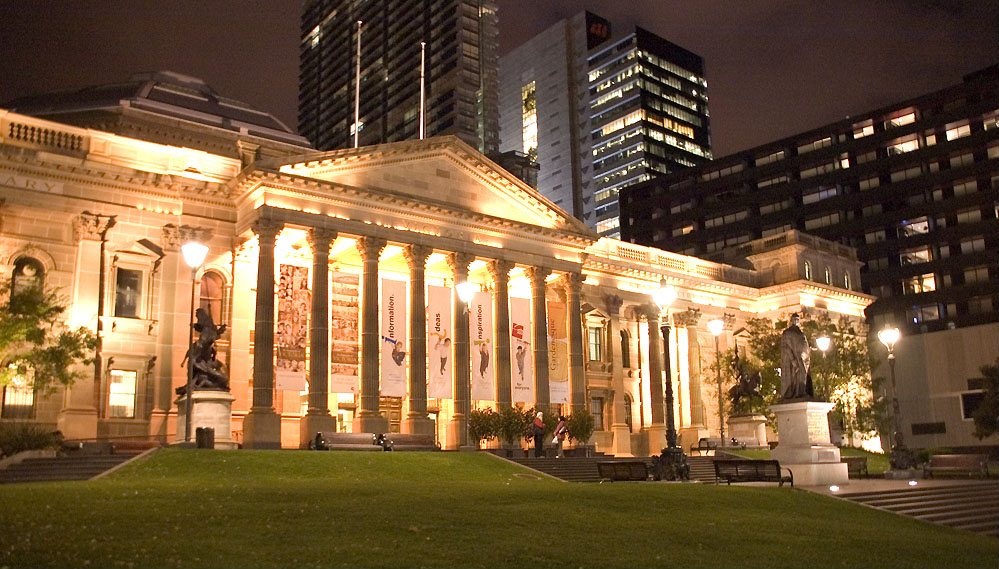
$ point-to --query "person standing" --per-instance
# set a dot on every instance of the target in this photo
(561, 430)
(538, 430)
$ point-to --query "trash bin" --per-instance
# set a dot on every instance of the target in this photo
(204, 437)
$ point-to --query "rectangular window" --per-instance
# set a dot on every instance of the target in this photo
(970, 403)
(957, 130)
(817, 194)
(980, 304)
(18, 398)
(919, 284)
(595, 343)
(918, 226)
(924, 313)
(969, 216)
(966, 159)
(973, 245)
(929, 428)
(915, 256)
(121, 394)
(903, 145)
(976, 275)
(597, 410)
(821, 143)
(128, 291)
(771, 181)
(908, 173)
(876, 236)
(965, 187)
(816, 170)
(770, 158)
(901, 120)
(861, 130)
(773, 207)
(823, 221)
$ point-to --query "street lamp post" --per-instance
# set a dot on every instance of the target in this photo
(901, 458)
(673, 460)
(716, 326)
(194, 256)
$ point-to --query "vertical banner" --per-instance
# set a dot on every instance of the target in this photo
(480, 331)
(440, 370)
(292, 331)
(520, 351)
(393, 338)
(344, 377)
(558, 353)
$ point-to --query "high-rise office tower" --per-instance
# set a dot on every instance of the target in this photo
(460, 71)
(599, 113)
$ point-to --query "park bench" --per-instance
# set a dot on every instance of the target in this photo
(326, 440)
(970, 464)
(623, 470)
(745, 470)
(856, 466)
(401, 441)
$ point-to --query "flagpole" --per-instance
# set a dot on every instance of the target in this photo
(357, 87)
(423, 46)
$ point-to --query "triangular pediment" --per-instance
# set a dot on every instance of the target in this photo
(442, 170)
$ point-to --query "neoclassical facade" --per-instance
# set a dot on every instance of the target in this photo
(336, 273)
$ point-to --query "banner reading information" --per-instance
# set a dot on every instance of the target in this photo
(558, 353)
(292, 330)
(393, 338)
(480, 330)
(521, 354)
(344, 377)
(440, 375)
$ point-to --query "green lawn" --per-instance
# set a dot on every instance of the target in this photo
(190, 508)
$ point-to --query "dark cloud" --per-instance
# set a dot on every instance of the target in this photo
(774, 68)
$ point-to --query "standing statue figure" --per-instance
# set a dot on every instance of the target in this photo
(795, 363)
(207, 372)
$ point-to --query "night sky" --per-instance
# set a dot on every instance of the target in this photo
(773, 68)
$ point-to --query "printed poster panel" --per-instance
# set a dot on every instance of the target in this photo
(480, 331)
(292, 330)
(558, 353)
(393, 338)
(440, 370)
(520, 351)
(344, 377)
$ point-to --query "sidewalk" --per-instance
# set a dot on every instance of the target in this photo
(859, 485)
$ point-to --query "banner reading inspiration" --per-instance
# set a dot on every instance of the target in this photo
(480, 330)
(521, 353)
(292, 330)
(558, 353)
(393, 338)
(344, 377)
(440, 376)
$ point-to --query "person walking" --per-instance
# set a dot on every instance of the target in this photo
(561, 430)
(538, 430)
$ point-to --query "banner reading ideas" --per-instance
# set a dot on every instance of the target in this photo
(440, 374)
(480, 330)
(292, 330)
(521, 355)
(344, 377)
(558, 353)
(393, 338)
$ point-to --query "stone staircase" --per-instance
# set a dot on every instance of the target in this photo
(584, 469)
(63, 468)
(971, 507)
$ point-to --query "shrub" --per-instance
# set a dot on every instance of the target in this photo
(512, 425)
(581, 425)
(483, 425)
(19, 437)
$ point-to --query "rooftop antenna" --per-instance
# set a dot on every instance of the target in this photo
(423, 46)
(357, 87)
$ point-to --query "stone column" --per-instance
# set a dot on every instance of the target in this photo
(621, 445)
(417, 422)
(573, 283)
(657, 430)
(539, 336)
(688, 319)
(262, 426)
(368, 418)
(500, 272)
(457, 427)
(318, 417)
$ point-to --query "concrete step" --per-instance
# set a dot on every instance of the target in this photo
(971, 507)
(78, 467)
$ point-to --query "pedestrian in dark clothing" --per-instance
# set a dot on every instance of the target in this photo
(538, 429)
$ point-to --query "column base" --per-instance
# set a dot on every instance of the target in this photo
(418, 424)
(622, 440)
(657, 438)
(78, 423)
(262, 429)
(455, 432)
(370, 422)
(312, 423)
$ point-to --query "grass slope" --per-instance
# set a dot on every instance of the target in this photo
(190, 508)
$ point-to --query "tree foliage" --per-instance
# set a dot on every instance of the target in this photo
(36, 343)
(986, 415)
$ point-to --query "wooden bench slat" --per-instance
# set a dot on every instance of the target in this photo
(971, 464)
(746, 470)
(629, 470)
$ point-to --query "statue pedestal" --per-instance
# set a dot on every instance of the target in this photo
(805, 447)
(212, 409)
(750, 429)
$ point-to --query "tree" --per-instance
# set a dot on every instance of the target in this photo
(986, 415)
(36, 343)
(842, 375)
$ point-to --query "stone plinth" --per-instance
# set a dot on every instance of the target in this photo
(805, 447)
(750, 429)
(211, 409)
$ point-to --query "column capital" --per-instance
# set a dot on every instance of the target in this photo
(572, 282)
(370, 247)
(687, 318)
(537, 276)
(500, 269)
(174, 236)
(613, 303)
(458, 262)
(416, 255)
(320, 237)
(92, 226)
(267, 228)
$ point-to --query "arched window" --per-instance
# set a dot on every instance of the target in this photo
(625, 349)
(28, 272)
(846, 280)
(18, 395)
(828, 276)
(627, 411)
(808, 270)
(213, 294)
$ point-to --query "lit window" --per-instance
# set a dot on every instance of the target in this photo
(902, 120)
(808, 270)
(121, 394)
(958, 131)
(828, 276)
(18, 395)
(918, 226)
(915, 256)
(919, 284)
(861, 130)
(212, 291)
(27, 273)
(597, 410)
(128, 290)
(595, 343)
(846, 280)
(530, 121)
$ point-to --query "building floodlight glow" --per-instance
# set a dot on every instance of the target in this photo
(194, 253)
(822, 343)
(465, 290)
(716, 326)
